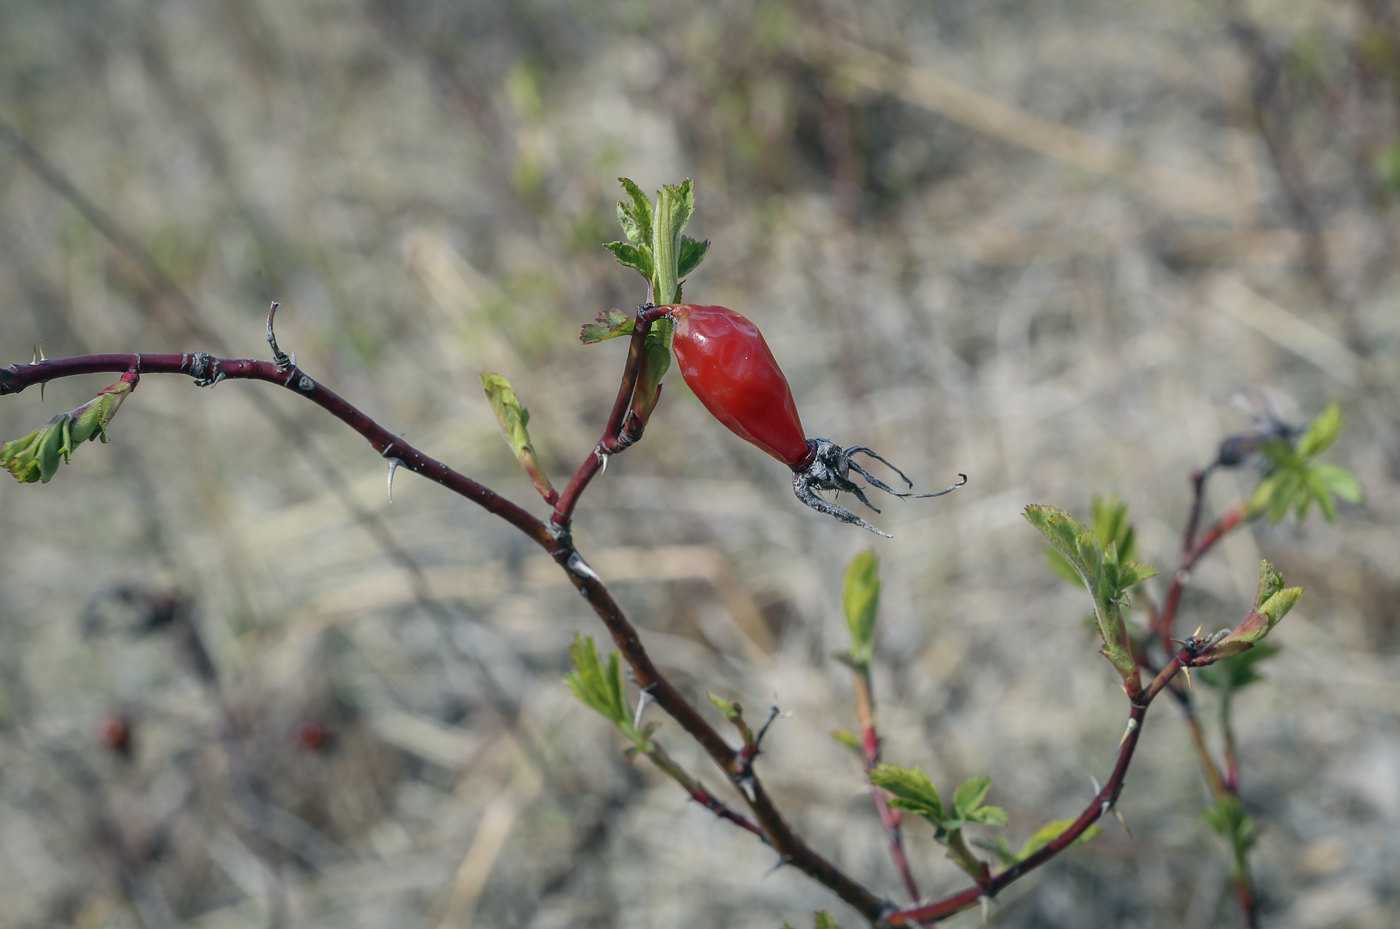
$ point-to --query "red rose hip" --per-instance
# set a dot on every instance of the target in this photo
(727, 363)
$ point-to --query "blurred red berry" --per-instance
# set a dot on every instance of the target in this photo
(115, 733)
(313, 735)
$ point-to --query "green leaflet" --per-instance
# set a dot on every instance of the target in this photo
(607, 325)
(1051, 831)
(514, 419)
(912, 790)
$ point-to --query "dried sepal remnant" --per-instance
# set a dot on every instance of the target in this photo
(36, 457)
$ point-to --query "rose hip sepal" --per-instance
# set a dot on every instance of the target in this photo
(727, 363)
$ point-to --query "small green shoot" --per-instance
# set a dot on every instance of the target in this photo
(601, 689)
(1104, 574)
(514, 419)
(861, 600)
(36, 457)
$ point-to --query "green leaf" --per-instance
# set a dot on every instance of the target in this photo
(599, 689)
(632, 256)
(692, 253)
(1270, 583)
(674, 206)
(1050, 832)
(824, 921)
(861, 600)
(1339, 482)
(635, 216)
(1322, 432)
(607, 325)
(35, 457)
(513, 419)
(731, 711)
(912, 790)
(968, 804)
(970, 795)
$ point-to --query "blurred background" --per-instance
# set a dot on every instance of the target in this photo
(1063, 247)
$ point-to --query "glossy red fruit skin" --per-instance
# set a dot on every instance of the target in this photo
(728, 365)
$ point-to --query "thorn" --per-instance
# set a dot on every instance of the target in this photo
(1124, 823)
(42, 385)
(773, 870)
(1132, 727)
(393, 465)
(580, 567)
(41, 352)
(1198, 630)
(986, 902)
(603, 457)
(1187, 671)
(35, 350)
(279, 357)
(1098, 788)
(642, 702)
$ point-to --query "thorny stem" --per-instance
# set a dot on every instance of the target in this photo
(611, 443)
(209, 370)
(870, 748)
(1103, 802)
(697, 791)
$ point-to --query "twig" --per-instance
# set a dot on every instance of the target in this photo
(870, 749)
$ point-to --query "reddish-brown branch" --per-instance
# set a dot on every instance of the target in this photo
(870, 748)
(1103, 802)
(1191, 552)
(207, 369)
(792, 850)
(17, 377)
(608, 444)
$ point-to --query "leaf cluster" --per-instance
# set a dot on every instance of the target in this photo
(655, 247)
(1111, 524)
(1296, 479)
(35, 457)
(1105, 574)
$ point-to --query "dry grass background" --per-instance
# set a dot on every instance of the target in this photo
(1042, 244)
